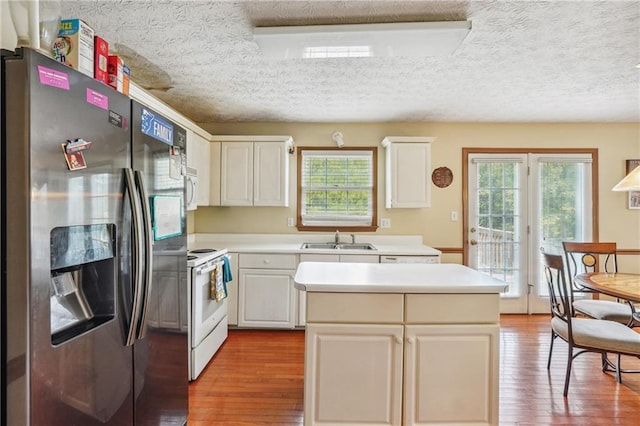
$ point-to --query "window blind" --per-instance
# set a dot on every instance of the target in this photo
(337, 188)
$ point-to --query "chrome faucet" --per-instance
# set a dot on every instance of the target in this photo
(337, 237)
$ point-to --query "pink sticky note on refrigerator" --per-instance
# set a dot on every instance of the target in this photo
(53, 78)
(97, 99)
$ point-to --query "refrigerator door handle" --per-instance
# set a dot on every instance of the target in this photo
(148, 255)
(136, 217)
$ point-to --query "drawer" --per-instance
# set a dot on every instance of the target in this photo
(268, 261)
(452, 308)
(374, 308)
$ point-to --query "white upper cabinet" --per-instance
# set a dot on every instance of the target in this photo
(407, 171)
(198, 153)
(254, 170)
(236, 174)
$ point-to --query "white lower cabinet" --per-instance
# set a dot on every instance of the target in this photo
(444, 366)
(356, 374)
(400, 359)
(266, 296)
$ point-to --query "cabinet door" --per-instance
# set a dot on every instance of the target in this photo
(451, 374)
(408, 175)
(266, 298)
(236, 181)
(271, 174)
(201, 152)
(353, 374)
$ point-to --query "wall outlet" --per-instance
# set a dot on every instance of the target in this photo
(454, 216)
(290, 222)
(385, 223)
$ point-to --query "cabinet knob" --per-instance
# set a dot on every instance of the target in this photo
(266, 261)
(410, 340)
(398, 339)
(473, 242)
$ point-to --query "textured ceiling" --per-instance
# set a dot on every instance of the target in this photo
(523, 61)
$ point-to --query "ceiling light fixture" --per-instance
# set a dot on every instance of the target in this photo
(362, 40)
(631, 182)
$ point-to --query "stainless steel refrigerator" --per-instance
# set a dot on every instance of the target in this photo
(93, 253)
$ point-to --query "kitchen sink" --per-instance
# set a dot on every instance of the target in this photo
(340, 246)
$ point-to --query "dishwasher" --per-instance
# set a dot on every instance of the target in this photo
(410, 259)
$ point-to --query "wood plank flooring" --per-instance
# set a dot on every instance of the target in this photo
(256, 378)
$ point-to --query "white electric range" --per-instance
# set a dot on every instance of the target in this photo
(208, 325)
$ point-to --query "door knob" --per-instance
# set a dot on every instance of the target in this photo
(473, 242)
(472, 230)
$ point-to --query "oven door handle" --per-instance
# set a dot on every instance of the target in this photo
(205, 270)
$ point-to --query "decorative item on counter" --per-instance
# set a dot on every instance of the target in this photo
(76, 145)
(74, 46)
(442, 177)
(100, 72)
(118, 74)
(75, 160)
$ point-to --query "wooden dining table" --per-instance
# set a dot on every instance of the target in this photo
(618, 285)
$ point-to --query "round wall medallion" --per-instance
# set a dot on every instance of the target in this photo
(442, 177)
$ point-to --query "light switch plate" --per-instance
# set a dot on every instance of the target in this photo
(385, 223)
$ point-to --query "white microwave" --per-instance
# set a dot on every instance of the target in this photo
(191, 197)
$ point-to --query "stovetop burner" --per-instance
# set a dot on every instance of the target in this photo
(192, 257)
(204, 250)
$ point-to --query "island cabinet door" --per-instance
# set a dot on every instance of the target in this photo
(266, 298)
(353, 375)
(451, 374)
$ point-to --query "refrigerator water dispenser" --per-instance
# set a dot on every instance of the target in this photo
(83, 277)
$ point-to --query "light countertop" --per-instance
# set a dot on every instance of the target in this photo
(393, 278)
(265, 243)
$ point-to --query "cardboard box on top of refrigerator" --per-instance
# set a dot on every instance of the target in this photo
(75, 45)
(126, 76)
(118, 74)
(101, 48)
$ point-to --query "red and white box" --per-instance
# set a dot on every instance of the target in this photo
(101, 49)
(116, 72)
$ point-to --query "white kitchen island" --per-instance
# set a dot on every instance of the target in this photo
(400, 344)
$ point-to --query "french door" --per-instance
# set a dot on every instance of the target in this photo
(518, 204)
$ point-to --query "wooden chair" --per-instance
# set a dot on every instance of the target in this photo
(583, 334)
(584, 257)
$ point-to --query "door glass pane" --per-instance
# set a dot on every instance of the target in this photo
(564, 207)
(498, 205)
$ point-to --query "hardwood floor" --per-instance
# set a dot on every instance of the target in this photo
(256, 378)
